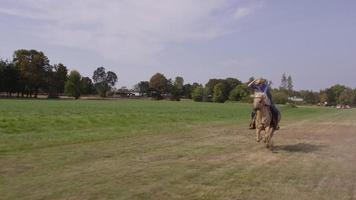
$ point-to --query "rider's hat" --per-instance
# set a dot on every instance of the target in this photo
(260, 81)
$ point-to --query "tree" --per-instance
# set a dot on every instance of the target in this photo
(346, 97)
(187, 91)
(9, 77)
(333, 93)
(179, 82)
(239, 93)
(220, 93)
(2, 70)
(104, 81)
(284, 82)
(250, 79)
(87, 86)
(56, 78)
(169, 87)
(3, 66)
(73, 86)
(310, 97)
(290, 84)
(280, 97)
(198, 93)
(159, 84)
(177, 88)
(33, 66)
(61, 72)
(232, 83)
(143, 88)
(228, 84)
(211, 84)
(323, 98)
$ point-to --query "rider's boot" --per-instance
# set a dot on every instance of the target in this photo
(253, 122)
(276, 124)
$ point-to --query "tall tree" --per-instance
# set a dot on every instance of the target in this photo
(9, 78)
(33, 66)
(73, 86)
(290, 84)
(143, 87)
(104, 81)
(284, 82)
(56, 76)
(187, 91)
(87, 86)
(177, 89)
(220, 93)
(61, 76)
(2, 69)
(159, 84)
(179, 82)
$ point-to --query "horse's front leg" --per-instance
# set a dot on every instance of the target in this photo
(265, 136)
(258, 134)
(269, 132)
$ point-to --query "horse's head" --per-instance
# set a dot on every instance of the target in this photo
(260, 100)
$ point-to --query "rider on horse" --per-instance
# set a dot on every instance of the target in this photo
(260, 85)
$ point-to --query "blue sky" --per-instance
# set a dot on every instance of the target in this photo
(313, 41)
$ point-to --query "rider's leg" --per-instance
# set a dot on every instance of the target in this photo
(253, 120)
(275, 114)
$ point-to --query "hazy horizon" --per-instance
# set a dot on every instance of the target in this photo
(313, 41)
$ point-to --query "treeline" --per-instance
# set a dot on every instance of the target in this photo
(30, 73)
(332, 96)
(216, 90)
(232, 89)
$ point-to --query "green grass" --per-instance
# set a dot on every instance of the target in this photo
(27, 124)
(130, 149)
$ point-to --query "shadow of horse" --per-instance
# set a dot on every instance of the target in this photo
(295, 148)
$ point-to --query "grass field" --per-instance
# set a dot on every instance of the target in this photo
(132, 149)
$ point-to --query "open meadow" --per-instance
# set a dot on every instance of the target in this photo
(136, 149)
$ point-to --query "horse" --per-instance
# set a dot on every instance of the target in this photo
(261, 104)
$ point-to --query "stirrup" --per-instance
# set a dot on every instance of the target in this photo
(252, 126)
(277, 127)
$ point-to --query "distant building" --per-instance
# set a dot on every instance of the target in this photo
(295, 99)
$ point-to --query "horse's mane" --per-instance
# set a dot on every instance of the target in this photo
(263, 96)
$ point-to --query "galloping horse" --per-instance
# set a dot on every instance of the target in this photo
(261, 104)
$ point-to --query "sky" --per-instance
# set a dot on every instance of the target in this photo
(313, 41)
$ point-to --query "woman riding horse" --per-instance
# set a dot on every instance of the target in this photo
(260, 85)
